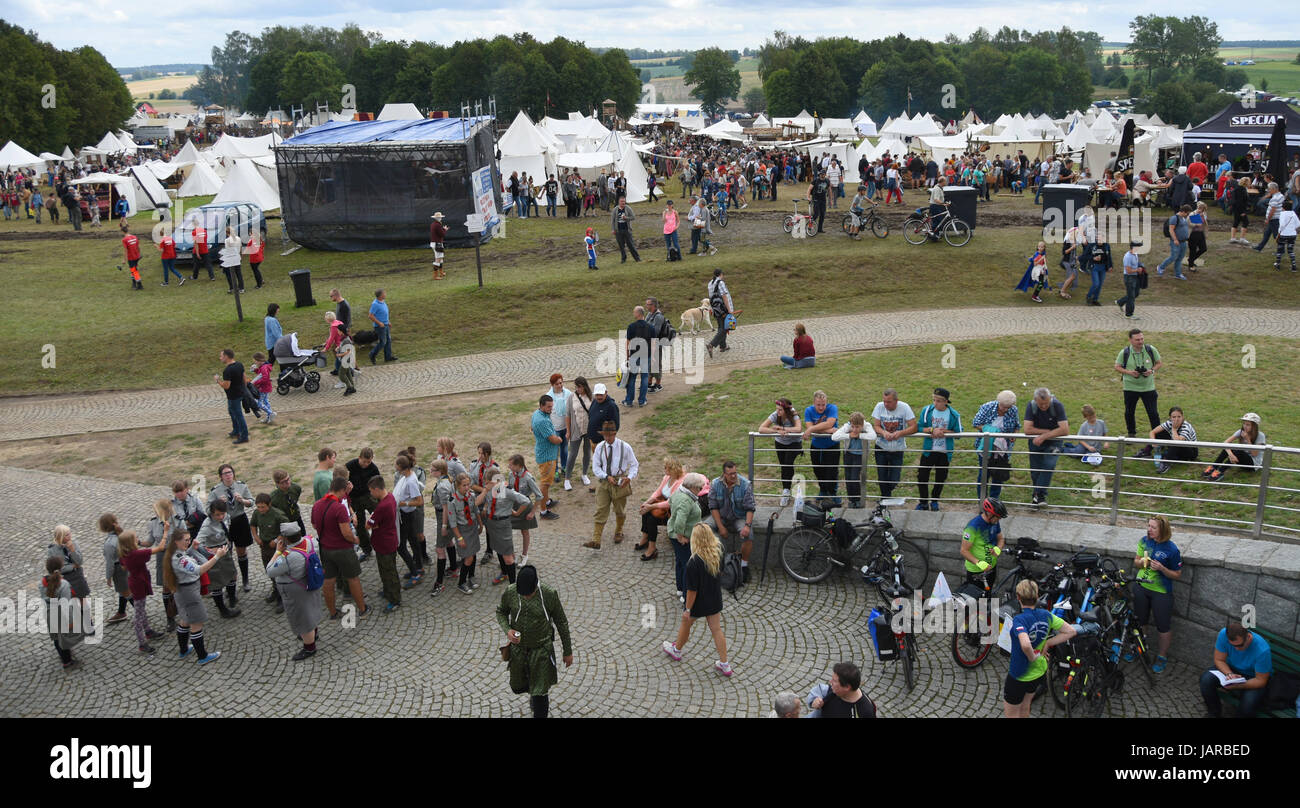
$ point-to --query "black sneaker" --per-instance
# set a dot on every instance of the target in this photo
(745, 574)
(550, 515)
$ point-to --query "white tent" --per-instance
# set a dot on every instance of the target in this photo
(122, 184)
(942, 147)
(14, 156)
(149, 193)
(1077, 138)
(863, 123)
(920, 126)
(48, 157)
(266, 167)
(109, 144)
(838, 127)
(761, 121)
(245, 184)
(526, 150)
(231, 147)
(723, 130)
(585, 160)
(162, 170)
(203, 181)
(189, 153)
(802, 121)
(67, 155)
(399, 112)
(1154, 120)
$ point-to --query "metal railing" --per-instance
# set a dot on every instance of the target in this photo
(1262, 502)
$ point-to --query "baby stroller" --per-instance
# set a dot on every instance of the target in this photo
(296, 366)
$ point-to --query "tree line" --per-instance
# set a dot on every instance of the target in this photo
(304, 66)
(53, 98)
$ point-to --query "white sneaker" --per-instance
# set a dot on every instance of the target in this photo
(785, 497)
(568, 486)
(586, 480)
(523, 561)
(713, 251)
(339, 386)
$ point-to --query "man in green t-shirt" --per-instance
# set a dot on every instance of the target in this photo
(982, 540)
(320, 483)
(1137, 364)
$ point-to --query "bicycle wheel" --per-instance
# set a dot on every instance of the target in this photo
(956, 233)
(908, 653)
(806, 555)
(810, 224)
(787, 223)
(1059, 680)
(878, 227)
(967, 646)
(846, 222)
(914, 230)
(1145, 656)
(1094, 699)
(723, 218)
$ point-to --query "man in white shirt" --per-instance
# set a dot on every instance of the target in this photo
(560, 420)
(1287, 225)
(409, 493)
(937, 203)
(614, 466)
(1270, 217)
(834, 175)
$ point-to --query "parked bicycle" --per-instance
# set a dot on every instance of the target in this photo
(887, 571)
(824, 541)
(869, 220)
(789, 221)
(919, 228)
(970, 645)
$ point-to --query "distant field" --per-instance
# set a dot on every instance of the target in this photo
(177, 84)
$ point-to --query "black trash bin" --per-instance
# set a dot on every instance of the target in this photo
(961, 201)
(302, 288)
(1062, 203)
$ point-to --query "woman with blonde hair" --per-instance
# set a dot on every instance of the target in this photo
(164, 520)
(703, 596)
(655, 510)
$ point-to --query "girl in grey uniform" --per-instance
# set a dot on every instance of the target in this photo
(164, 520)
(288, 570)
(524, 483)
(65, 549)
(215, 533)
(184, 503)
(501, 506)
(237, 497)
(114, 572)
(181, 578)
(56, 592)
(444, 490)
(480, 476)
(463, 521)
(447, 451)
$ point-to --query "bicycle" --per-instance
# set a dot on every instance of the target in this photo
(788, 221)
(893, 587)
(869, 220)
(968, 646)
(720, 214)
(919, 229)
(823, 541)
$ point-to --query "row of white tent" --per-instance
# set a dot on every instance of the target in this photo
(578, 143)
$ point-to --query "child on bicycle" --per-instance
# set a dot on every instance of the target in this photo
(722, 200)
(858, 210)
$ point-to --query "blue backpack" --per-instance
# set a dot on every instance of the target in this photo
(315, 577)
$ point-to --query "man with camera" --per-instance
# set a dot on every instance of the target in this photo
(1137, 364)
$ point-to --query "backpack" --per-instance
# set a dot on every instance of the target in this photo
(674, 254)
(882, 636)
(1282, 690)
(315, 577)
(1165, 229)
(716, 302)
(731, 575)
(666, 330)
(1128, 351)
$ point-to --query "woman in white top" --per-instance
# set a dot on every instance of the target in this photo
(232, 260)
(1248, 434)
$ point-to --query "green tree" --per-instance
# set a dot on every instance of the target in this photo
(782, 93)
(375, 70)
(985, 69)
(539, 80)
(821, 89)
(310, 78)
(93, 91)
(713, 79)
(622, 84)
(232, 63)
(779, 53)
(412, 83)
(264, 91)
(166, 94)
(1189, 101)
(206, 89)
(754, 100)
(1032, 79)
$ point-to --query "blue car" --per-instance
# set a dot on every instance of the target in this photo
(243, 216)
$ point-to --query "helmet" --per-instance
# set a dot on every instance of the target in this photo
(994, 507)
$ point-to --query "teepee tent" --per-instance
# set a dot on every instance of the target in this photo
(245, 184)
(203, 181)
(524, 149)
(399, 112)
(863, 123)
(149, 193)
(761, 122)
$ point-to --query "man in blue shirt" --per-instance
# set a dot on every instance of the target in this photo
(1030, 632)
(1244, 657)
(383, 328)
(546, 450)
(731, 502)
(819, 422)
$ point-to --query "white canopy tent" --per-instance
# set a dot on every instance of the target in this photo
(841, 128)
(231, 147)
(245, 184)
(125, 187)
(203, 181)
(723, 130)
(14, 156)
(863, 123)
(803, 121)
(762, 121)
(942, 147)
(149, 193)
(399, 112)
(266, 167)
(68, 157)
(109, 144)
(162, 170)
(920, 126)
(189, 153)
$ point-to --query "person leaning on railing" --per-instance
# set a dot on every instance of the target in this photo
(999, 415)
(1247, 458)
(784, 422)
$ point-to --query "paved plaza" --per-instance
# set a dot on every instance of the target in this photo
(438, 657)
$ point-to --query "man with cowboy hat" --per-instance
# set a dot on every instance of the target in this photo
(437, 235)
(530, 614)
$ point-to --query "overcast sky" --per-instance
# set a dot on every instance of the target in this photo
(133, 32)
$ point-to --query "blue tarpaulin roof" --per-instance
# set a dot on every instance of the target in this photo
(428, 130)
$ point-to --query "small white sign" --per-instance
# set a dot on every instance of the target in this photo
(474, 223)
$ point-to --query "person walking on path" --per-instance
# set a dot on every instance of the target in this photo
(438, 241)
(1287, 227)
(232, 261)
(723, 308)
(638, 352)
(288, 569)
(531, 614)
(378, 315)
(271, 330)
(256, 255)
(615, 467)
(703, 597)
(620, 221)
(1179, 232)
(1133, 272)
(231, 380)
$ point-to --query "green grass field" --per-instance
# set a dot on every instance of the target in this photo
(1202, 374)
(66, 290)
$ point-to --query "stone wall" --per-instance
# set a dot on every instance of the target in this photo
(1221, 574)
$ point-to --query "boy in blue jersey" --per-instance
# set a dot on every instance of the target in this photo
(1031, 636)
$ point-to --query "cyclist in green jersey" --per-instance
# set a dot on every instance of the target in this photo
(982, 540)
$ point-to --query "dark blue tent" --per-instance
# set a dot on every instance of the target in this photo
(1237, 127)
(370, 185)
